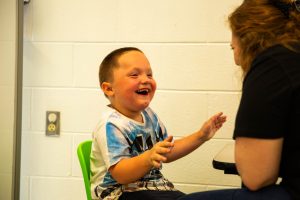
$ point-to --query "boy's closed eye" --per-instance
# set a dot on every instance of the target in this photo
(135, 75)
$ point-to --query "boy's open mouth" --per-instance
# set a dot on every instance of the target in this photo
(143, 91)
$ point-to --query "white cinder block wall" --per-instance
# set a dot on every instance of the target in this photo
(187, 43)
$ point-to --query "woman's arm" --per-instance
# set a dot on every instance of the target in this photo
(258, 161)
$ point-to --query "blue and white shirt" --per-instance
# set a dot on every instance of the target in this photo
(117, 137)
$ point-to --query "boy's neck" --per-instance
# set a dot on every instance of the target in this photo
(136, 116)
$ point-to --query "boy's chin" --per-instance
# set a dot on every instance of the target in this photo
(144, 105)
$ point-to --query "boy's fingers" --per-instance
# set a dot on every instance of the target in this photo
(165, 144)
(159, 158)
(168, 142)
(218, 115)
(220, 118)
(163, 150)
(156, 164)
(169, 138)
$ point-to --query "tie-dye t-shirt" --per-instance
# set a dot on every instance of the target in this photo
(117, 137)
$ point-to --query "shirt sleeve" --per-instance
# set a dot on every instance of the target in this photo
(115, 146)
(264, 106)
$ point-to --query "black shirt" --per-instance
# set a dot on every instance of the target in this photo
(270, 108)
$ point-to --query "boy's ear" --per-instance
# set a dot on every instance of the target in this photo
(107, 89)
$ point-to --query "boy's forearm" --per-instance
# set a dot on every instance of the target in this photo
(184, 146)
(188, 144)
(129, 170)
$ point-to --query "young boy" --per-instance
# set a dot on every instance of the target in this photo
(130, 143)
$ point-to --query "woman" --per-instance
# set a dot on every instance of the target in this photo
(266, 44)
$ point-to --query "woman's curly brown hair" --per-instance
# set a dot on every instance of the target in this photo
(259, 24)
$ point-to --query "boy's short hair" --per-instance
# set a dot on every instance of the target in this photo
(110, 62)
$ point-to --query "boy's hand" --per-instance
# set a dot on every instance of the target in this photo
(211, 126)
(158, 151)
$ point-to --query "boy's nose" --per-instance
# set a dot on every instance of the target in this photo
(145, 78)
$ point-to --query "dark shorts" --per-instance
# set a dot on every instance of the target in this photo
(269, 193)
(151, 195)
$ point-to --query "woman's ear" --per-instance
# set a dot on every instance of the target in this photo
(107, 89)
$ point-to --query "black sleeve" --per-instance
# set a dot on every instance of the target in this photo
(264, 106)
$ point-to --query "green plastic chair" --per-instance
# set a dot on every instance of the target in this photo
(83, 152)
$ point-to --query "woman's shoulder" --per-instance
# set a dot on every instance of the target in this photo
(278, 55)
(276, 62)
(279, 51)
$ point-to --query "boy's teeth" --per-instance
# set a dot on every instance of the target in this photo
(143, 91)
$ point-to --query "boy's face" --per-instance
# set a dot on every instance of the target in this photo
(133, 86)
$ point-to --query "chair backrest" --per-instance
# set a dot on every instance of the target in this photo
(83, 153)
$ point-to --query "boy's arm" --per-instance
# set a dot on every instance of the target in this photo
(129, 170)
(186, 145)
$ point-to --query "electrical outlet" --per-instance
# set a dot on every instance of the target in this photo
(52, 123)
